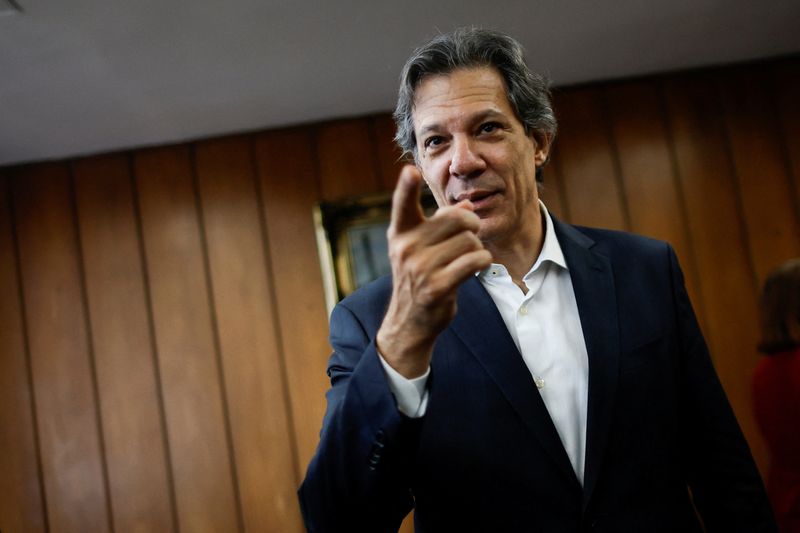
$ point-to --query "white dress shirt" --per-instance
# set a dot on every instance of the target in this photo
(546, 328)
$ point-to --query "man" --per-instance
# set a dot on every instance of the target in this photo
(565, 387)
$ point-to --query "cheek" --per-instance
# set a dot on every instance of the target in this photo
(525, 184)
(435, 183)
(438, 195)
(437, 189)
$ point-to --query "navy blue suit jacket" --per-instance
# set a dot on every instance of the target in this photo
(486, 455)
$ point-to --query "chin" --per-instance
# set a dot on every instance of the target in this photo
(489, 231)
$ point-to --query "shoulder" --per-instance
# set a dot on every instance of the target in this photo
(368, 303)
(372, 293)
(635, 260)
(622, 243)
(620, 247)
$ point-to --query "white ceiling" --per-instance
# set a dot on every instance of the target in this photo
(87, 76)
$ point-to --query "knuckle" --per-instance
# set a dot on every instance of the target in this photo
(437, 290)
(429, 295)
(469, 220)
(473, 239)
(413, 265)
(472, 221)
(401, 249)
(448, 213)
(460, 213)
(468, 241)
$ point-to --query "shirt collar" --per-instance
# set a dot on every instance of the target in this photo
(551, 249)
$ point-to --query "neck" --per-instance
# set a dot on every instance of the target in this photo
(519, 255)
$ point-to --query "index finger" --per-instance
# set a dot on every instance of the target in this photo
(406, 209)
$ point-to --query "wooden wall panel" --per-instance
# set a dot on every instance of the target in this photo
(587, 169)
(185, 343)
(786, 79)
(720, 246)
(649, 178)
(21, 497)
(289, 191)
(61, 363)
(347, 159)
(387, 151)
(762, 171)
(252, 362)
(131, 412)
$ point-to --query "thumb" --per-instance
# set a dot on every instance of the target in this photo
(406, 209)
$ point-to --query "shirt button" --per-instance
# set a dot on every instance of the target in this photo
(539, 381)
(523, 310)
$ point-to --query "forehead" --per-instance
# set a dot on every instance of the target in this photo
(443, 98)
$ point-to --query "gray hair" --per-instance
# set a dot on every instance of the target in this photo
(528, 92)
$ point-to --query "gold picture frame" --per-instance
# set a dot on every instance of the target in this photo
(351, 238)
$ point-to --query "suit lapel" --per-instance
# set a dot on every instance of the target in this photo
(479, 325)
(481, 328)
(593, 284)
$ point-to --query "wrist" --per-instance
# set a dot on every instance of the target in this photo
(408, 358)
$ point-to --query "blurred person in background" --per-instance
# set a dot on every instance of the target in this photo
(776, 390)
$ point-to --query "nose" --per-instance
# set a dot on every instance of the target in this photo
(465, 160)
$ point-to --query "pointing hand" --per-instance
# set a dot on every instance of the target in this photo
(430, 258)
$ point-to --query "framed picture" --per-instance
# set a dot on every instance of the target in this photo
(351, 237)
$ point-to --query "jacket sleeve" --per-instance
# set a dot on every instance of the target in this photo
(726, 487)
(358, 479)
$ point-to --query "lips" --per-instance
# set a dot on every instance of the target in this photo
(480, 198)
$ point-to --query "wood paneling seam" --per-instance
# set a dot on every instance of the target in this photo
(198, 202)
(151, 327)
(737, 185)
(669, 135)
(90, 346)
(376, 163)
(783, 135)
(26, 343)
(615, 160)
(276, 319)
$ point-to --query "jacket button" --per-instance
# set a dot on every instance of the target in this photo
(377, 449)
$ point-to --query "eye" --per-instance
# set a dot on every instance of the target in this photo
(433, 141)
(489, 127)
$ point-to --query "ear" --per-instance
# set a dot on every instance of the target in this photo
(541, 145)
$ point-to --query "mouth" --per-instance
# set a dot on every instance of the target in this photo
(479, 198)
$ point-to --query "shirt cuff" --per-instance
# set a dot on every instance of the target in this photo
(411, 395)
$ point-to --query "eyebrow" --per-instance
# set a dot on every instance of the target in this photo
(480, 116)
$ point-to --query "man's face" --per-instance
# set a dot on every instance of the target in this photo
(471, 145)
